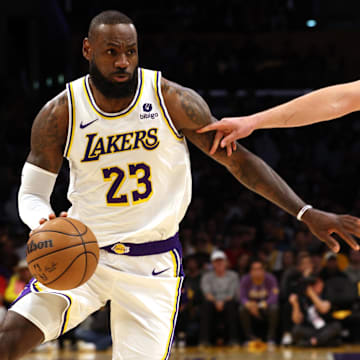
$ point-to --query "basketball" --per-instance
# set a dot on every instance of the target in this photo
(62, 253)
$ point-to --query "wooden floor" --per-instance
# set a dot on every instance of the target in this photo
(340, 353)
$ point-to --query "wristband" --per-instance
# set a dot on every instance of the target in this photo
(302, 211)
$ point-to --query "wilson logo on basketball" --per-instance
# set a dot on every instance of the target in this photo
(32, 246)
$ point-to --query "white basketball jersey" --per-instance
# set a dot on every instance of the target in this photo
(130, 174)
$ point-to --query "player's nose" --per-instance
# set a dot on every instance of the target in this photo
(122, 61)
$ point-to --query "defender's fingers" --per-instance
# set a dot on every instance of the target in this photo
(214, 126)
(348, 238)
(63, 214)
(234, 145)
(229, 150)
(228, 139)
(216, 142)
(52, 216)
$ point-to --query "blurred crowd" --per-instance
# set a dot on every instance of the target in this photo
(288, 297)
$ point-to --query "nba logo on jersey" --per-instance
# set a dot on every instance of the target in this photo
(147, 107)
(120, 249)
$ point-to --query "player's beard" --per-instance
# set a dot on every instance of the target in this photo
(111, 89)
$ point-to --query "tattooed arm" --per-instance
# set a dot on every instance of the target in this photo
(48, 134)
(48, 137)
(190, 112)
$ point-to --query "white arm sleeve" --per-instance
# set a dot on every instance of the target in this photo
(34, 194)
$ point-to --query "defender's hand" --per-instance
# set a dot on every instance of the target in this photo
(218, 136)
(322, 224)
(228, 130)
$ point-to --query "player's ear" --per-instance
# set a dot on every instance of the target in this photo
(86, 50)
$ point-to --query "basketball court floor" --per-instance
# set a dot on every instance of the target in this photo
(220, 353)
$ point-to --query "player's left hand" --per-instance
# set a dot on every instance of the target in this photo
(53, 216)
(323, 224)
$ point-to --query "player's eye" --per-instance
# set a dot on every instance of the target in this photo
(111, 51)
(131, 51)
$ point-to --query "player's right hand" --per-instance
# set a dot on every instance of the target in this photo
(229, 130)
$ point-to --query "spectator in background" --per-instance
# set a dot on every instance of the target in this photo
(317, 259)
(3, 284)
(292, 279)
(219, 288)
(243, 263)
(17, 282)
(353, 269)
(187, 241)
(203, 243)
(287, 262)
(274, 256)
(340, 291)
(8, 257)
(187, 328)
(259, 301)
(302, 241)
(331, 267)
(309, 310)
(238, 244)
(97, 336)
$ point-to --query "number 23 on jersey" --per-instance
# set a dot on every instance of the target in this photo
(144, 191)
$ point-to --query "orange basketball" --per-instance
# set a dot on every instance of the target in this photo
(62, 253)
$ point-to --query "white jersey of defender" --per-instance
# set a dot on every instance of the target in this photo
(130, 174)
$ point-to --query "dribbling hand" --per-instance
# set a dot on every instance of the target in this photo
(51, 216)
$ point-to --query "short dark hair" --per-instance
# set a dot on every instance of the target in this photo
(301, 256)
(108, 17)
(255, 261)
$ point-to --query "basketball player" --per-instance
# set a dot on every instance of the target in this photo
(122, 128)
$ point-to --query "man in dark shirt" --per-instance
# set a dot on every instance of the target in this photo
(187, 328)
(309, 314)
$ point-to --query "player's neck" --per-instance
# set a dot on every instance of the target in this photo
(109, 105)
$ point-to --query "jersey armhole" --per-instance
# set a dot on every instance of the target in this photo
(163, 108)
(71, 127)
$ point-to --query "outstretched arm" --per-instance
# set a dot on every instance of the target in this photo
(321, 105)
(190, 112)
